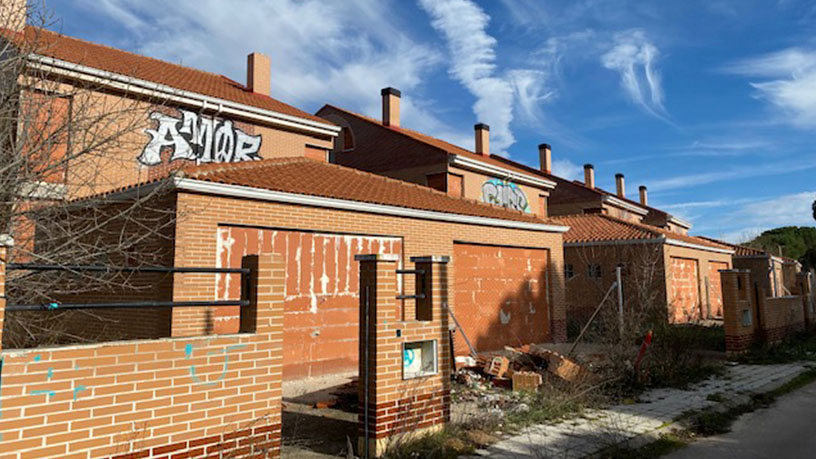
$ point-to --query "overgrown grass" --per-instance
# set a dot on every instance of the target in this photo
(667, 443)
(801, 346)
(448, 443)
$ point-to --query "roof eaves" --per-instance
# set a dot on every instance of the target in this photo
(145, 87)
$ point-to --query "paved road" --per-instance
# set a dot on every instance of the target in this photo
(784, 430)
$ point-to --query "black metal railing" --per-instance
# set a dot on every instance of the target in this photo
(55, 305)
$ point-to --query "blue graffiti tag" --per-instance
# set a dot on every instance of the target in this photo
(50, 393)
(506, 194)
(409, 357)
(188, 352)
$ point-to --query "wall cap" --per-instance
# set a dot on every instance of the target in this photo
(431, 259)
(377, 257)
(6, 240)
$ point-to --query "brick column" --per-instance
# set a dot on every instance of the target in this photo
(738, 308)
(400, 404)
(266, 296)
(6, 242)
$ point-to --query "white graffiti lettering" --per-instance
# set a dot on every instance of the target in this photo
(196, 138)
(505, 194)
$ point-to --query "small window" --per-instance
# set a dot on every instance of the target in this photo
(348, 139)
(569, 271)
(594, 271)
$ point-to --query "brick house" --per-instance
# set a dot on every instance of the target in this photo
(385, 147)
(171, 115)
(504, 269)
(680, 271)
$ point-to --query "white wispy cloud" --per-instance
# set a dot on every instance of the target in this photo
(634, 57)
(734, 173)
(473, 56)
(499, 94)
(789, 82)
(757, 216)
(567, 169)
(321, 51)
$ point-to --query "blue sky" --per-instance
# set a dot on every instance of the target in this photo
(711, 104)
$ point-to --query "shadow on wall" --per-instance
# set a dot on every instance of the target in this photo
(523, 316)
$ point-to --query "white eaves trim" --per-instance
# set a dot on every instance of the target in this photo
(623, 204)
(479, 166)
(679, 222)
(661, 239)
(615, 242)
(189, 98)
(689, 245)
(240, 191)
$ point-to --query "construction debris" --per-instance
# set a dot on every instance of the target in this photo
(527, 381)
(498, 367)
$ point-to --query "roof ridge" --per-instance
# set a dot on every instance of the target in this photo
(141, 56)
(400, 130)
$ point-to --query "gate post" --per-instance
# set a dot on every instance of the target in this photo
(6, 242)
(404, 364)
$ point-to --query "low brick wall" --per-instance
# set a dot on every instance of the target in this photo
(781, 317)
(172, 397)
(750, 318)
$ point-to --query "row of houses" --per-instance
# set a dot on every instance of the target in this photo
(529, 251)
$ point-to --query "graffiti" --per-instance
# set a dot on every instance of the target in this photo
(201, 139)
(505, 194)
(409, 357)
(188, 353)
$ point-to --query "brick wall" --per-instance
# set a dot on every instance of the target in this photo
(186, 397)
(508, 283)
(197, 240)
(749, 317)
(693, 293)
(684, 291)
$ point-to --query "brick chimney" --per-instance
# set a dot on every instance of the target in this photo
(620, 185)
(644, 197)
(259, 73)
(545, 158)
(589, 175)
(391, 106)
(482, 132)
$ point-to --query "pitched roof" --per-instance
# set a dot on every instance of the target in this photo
(315, 178)
(76, 51)
(604, 228)
(739, 250)
(434, 142)
(576, 191)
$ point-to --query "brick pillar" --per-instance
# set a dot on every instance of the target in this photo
(400, 404)
(739, 313)
(266, 295)
(6, 242)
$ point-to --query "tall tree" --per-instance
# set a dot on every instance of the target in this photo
(57, 136)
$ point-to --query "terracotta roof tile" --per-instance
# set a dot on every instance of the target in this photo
(314, 178)
(604, 228)
(76, 51)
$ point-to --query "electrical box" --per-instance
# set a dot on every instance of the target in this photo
(419, 358)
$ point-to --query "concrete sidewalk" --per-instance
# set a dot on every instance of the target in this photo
(599, 429)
